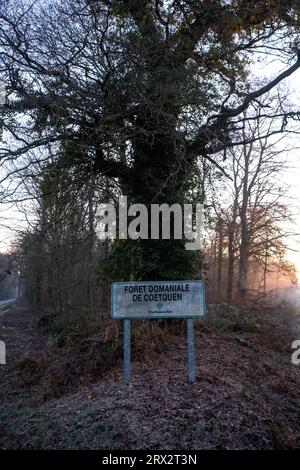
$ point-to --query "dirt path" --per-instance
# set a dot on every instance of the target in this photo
(247, 396)
(19, 331)
(22, 339)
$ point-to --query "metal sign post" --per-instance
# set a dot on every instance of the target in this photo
(127, 348)
(191, 350)
(159, 299)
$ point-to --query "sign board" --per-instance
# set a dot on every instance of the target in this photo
(158, 299)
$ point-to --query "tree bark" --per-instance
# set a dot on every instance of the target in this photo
(220, 260)
(244, 245)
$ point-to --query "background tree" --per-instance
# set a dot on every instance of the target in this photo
(254, 221)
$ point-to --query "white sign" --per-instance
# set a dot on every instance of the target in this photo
(158, 299)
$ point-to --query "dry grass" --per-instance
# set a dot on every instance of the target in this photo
(246, 395)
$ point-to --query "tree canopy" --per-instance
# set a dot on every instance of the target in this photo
(137, 90)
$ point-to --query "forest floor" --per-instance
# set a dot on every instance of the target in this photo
(247, 393)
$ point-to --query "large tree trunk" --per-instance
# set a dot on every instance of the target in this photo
(220, 259)
(230, 269)
(243, 267)
(159, 177)
(91, 240)
(266, 266)
(231, 251)
(244, 245)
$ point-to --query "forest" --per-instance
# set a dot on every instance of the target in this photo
(175, 104)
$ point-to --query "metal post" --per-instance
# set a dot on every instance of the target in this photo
(191, 350)
(127, 345)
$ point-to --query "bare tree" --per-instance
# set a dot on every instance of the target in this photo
(137, 91)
